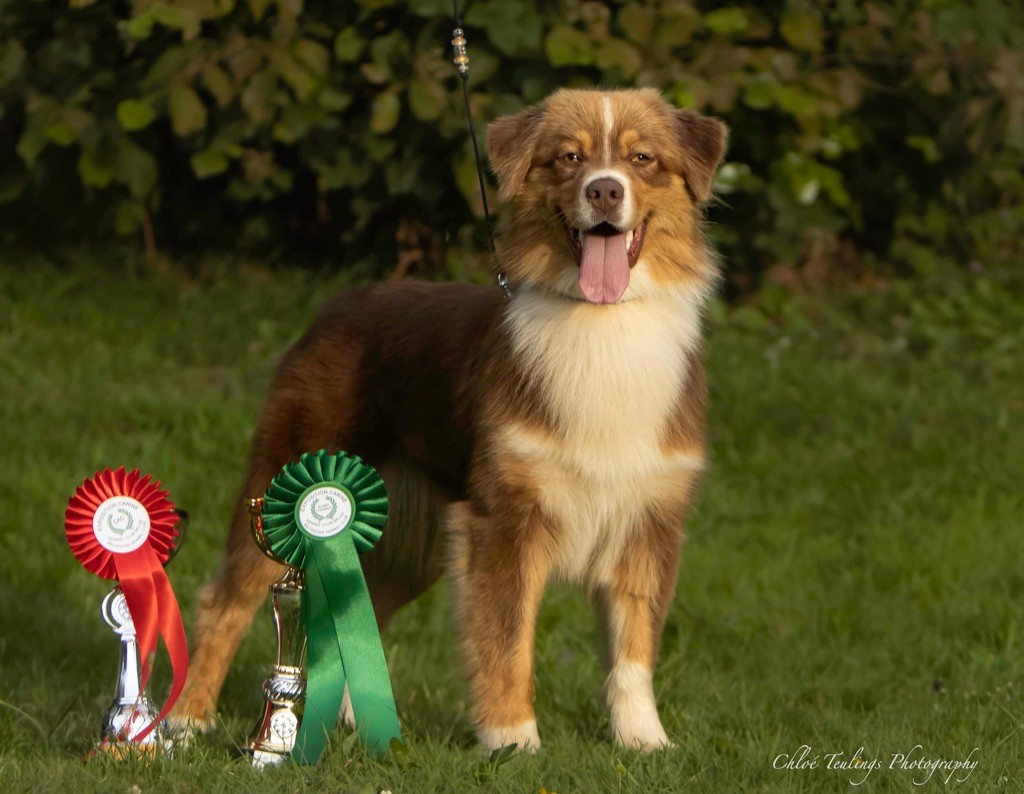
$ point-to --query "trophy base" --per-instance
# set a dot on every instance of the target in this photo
(260, 759)
(125, 719)
(128, 751)
(274, 738)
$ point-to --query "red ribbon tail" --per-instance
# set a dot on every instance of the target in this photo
(154, 610)
(172, 629)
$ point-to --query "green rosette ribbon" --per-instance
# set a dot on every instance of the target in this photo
(319, 513)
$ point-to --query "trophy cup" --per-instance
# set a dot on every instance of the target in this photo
(131, 710)
(284, 691)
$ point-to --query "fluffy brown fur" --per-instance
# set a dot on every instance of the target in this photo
(544, 437)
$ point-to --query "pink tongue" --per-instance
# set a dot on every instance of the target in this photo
(604, 269)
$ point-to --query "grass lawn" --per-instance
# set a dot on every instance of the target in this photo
(853, 579)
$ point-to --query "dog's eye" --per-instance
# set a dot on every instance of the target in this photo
(642, 157)
(572, 157)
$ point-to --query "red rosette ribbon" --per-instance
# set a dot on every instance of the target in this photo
(121, 526)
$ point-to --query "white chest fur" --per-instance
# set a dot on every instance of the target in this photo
(610, 377)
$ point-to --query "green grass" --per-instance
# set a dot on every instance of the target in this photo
(853, 575)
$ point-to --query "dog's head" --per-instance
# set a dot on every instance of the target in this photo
(605, 190)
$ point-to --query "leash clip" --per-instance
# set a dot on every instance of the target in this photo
(461, 61)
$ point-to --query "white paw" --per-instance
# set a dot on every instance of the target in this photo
(635, 725)
(345, 714)
(182, 731)
(634, 715)
(643, 737)
(524, 736)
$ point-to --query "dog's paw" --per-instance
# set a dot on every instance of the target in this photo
(182, 729)
(646, 744)
(524, 736)
(635, 725)
(634, 714)
(640, 732)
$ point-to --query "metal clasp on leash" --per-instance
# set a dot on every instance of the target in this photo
(461, 60)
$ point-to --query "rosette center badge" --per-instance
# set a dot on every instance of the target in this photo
(324, 510)
(121, 524)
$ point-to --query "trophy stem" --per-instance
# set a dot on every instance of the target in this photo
(284, 691)
(129, 672)
(130, 710)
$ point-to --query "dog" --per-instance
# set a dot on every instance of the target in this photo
(559, 434)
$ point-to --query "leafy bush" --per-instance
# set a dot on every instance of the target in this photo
(889, 130)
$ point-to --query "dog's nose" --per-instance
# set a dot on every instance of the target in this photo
(604, 194)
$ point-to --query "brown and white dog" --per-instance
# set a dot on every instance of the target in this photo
(558, 435)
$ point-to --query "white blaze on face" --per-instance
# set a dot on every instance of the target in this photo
(604, 264)
(605, 170)
(609, 122)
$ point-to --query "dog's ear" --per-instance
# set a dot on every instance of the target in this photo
(703, 141)
(510, 144)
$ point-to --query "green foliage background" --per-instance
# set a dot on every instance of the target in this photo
(861, 132)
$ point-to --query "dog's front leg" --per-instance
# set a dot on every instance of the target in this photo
(500, 568)
(635, 605)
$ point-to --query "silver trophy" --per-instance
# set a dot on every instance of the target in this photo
(284, 692)
(131, 710)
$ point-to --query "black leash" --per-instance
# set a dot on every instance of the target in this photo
(461, 60)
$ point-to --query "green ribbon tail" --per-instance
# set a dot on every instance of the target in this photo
(325, 673)
(366, 669)
(352, 652)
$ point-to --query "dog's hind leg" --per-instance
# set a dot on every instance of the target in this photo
(226, 609)
(300, 415)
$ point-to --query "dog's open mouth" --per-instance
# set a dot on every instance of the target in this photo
(605, 256)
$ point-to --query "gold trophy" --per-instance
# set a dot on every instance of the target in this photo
(284, 691)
